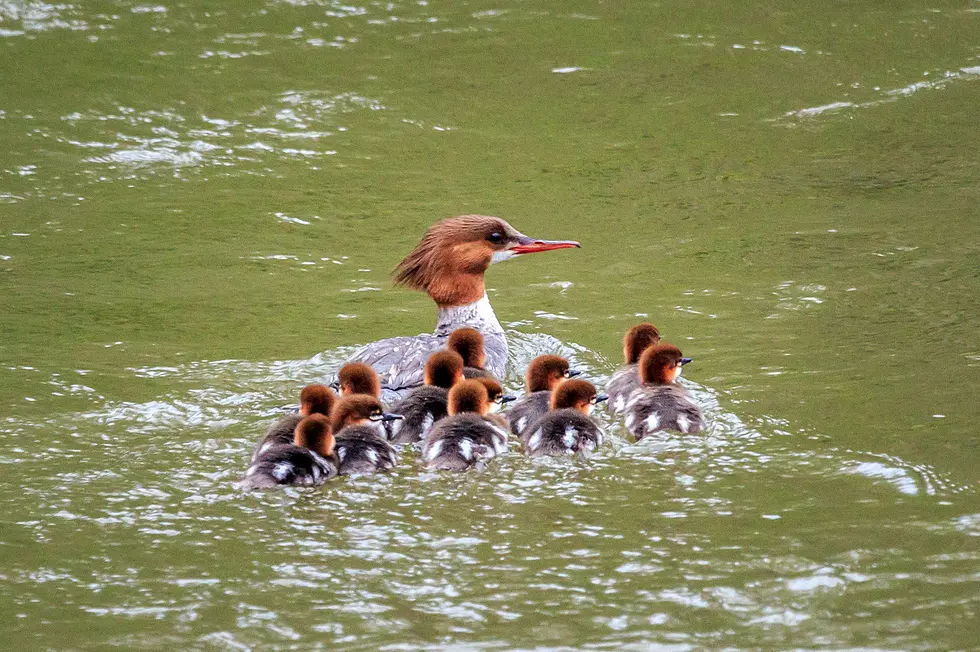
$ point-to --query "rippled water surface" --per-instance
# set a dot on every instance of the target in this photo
(200, 204)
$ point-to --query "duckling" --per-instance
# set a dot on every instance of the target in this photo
(466, 437)
(569, 427)
(313, 399)
(543, 374)
(362, 445)
(425, 405)
(495, 391)
(358, 378)
(627, 378)
(468, 343)
(660, 403)
(308, 461)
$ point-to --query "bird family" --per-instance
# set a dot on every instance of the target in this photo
(440, 392)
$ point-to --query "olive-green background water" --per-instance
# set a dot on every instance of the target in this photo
(199, 207)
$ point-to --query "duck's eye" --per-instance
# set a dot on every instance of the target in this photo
(592, 400)
(496, 237)
(567, 374)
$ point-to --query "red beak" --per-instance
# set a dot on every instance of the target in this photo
(532, 246)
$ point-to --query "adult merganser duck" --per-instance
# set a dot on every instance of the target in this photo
(465, 438)
(362, 445)
(468, 343)
(659, 403)
(449, 264)
(425, 405)
(627, 378)
(543, 375)
(313, 399)
(569, 427)
(358, 378)
(307, 461)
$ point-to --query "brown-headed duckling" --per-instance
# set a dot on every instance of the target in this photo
(627, 378)
(424, 406)
(569, 426)
(660, 403)
(466, 437)
(313, 399)
(543, 375)
(307, 461)
(362, 444)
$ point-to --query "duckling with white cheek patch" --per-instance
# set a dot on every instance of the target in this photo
(627, 378)
(569, 427)
(543, 375)
(362, 445)
(314, 399)
(660, 403)
(495, 392)
(424, 406)
(308, 461)
(466, 438)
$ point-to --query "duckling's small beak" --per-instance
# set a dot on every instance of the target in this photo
(601, 397)
(507, 399)
(526, 245)
(574, 372)
(390, 416)
(684, 361)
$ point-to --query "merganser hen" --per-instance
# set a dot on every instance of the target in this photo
(660, 403)
(449, 265)
(543, 375)
(425, 405)
(468, 343)
(358, 378)
(307, 461)
(465, 438)
(627, 378)
(569, 427)
(313, 399)
(362, 445)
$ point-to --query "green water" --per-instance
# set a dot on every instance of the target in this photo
(200, 204)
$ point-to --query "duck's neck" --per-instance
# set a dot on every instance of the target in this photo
(478, 315)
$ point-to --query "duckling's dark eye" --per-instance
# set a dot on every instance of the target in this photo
(496, 237)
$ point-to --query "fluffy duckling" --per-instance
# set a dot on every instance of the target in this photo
(627, 378)
(313, 399)
(495, 391)
(362, 444)
(423, 406)
(308, 461)
(468, 343)
(569, 427)
(358, 378)
(660, 403)
(543, 375)
(466, 437)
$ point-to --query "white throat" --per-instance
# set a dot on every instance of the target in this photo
(478, 315)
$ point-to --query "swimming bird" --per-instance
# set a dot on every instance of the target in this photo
(627, 378)
(495, 392)
(465, 438)
(362, 445)
(569, 426)
(468, 343)
(449, 264)
(313, 399)
(425, 405)
(307, 461)
(660, 403)
(542, 377)
(358, 378)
